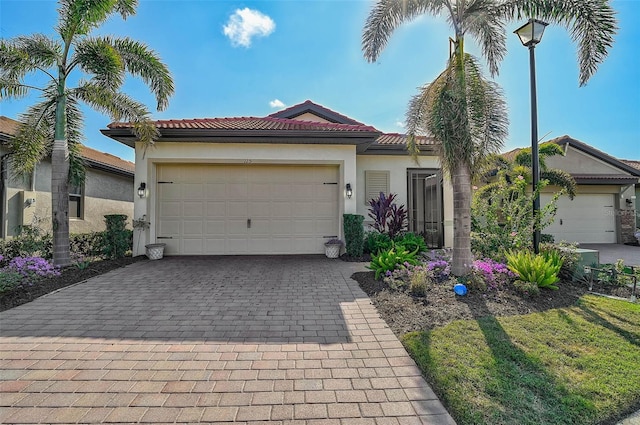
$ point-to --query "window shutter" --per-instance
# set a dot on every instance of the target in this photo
(375, 182)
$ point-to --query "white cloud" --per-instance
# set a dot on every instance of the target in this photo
(277, 103)
(245, 24)
(400, 124)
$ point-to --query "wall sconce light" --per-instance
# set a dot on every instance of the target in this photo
(349, 191)
(30, 201)
(629, 202)
(142, 190)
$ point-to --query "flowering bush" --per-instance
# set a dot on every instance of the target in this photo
(32, 267)
(441, 269)
(495, 274)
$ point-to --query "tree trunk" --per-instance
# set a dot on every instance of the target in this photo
(462, 256)
(60, 202)
(60, 180)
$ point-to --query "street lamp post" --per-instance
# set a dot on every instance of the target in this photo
(530, 34)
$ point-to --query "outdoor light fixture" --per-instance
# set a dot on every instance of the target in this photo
(530, 34)
(349, 191)
(142, 190)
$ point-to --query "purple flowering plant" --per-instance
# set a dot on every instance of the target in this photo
(32, 267)
(441, 269)
(495, 274)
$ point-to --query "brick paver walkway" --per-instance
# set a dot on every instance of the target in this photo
(243, 340)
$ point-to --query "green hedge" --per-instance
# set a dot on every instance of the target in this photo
(354, 234)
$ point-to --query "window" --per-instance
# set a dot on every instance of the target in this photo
(75, 202)
(375, 182)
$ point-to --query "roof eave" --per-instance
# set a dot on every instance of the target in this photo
(596, 154)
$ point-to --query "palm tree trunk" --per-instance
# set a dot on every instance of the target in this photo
(60, 184)
(462, 256)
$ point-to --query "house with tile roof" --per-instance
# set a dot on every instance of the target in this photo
(635, 164)
(26, 200)
(605, 207)
(278, 184)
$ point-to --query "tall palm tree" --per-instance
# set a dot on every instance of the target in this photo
(99, 64)
(591, 23)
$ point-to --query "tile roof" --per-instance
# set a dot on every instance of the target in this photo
(107, 159)
(9, 127)
(401, 139)
(314, 108)
(252, 123)
(632, 163)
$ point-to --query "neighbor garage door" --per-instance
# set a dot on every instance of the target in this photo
(246, 209)
(589, 218)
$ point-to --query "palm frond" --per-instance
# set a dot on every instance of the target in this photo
(386, 16)
(78, 17)
(22, 55)
(483, 23)
(35, 135)
(561, 179)
(119, 107)
(98, 57)
(143, 62)
(592, 25)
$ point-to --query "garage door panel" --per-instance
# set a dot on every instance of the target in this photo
(169, 192)
(215, 228)
(192, 246)
(207, 208)
(172, 246)
(588, 218)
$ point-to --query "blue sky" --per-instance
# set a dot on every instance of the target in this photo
(288, 51)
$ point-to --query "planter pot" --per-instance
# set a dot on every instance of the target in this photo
(155, 251)
(332, 251)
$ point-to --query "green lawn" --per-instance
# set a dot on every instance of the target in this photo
(576, 365)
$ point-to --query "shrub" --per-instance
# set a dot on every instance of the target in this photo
(375, 242)
(418, 282)
(528, 289)
(540, 269)
(411, 241)
(569, 255)
(354, 234)
(117, 239)
(9, 280)
(502, 217)
(31, 268)
(386, 261)
(30, 241)
(87, 244)
(441, 269)
(408, 276)
(387, 216)
(493, 273)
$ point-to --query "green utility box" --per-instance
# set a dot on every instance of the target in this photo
(587, 257)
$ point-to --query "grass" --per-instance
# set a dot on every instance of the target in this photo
(574, 365)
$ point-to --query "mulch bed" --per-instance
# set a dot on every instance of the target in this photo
(405, 313)
(68, 276)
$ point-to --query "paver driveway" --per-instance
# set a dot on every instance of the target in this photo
(282, 340)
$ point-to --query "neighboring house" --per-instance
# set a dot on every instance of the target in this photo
(108, 189)
(635, 164)
(278, 184)
(603, 210)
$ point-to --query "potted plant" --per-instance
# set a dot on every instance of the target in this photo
(332, 248)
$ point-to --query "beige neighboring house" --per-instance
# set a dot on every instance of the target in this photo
(278, 184)
(604, 208)
(108, 189)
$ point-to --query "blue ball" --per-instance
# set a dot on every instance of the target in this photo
(460, 289)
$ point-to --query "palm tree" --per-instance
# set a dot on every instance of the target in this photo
(591, 23)
(53, 125)
(521, 166)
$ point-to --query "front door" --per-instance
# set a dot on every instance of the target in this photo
(425, 205)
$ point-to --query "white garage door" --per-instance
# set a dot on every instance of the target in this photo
(589, 218)
(246, 209)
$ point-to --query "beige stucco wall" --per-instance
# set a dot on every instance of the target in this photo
(238, 153)
(104, 193)
(578, 162)
(397, 166)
